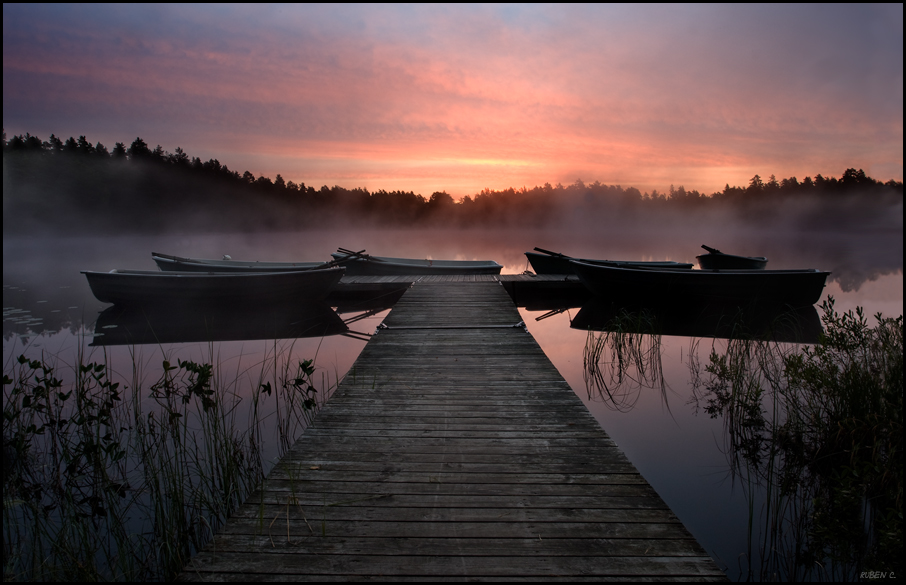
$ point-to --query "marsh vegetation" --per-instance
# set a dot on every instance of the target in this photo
(111, 481)
(813, 435)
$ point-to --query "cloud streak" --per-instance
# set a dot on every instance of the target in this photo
(429, 98)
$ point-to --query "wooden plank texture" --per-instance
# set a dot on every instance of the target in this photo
(454, 450)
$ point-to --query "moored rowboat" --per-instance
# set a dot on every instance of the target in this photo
(367, 265)
(554, 263)
(792, 287)
(145, 287)
(170, 263)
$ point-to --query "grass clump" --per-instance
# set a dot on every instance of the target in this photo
(817, 433)
(103, 484)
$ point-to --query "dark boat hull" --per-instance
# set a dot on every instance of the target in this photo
(386, 266)
(144, 287)
(731, 262)
(559, 264)
(792, 287)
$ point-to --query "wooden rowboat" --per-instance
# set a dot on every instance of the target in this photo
(792, 287)
(144, 287)
(366, 265)
(170, 263)
(554, 263)
(717, 260)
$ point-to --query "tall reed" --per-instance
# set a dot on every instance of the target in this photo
(816, 434)
(621, 361)
(102, 484)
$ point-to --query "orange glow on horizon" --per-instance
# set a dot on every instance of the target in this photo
(518, 96)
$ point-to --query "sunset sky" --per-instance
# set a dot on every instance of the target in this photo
(461, 98)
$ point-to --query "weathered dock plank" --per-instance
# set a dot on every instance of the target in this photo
(453, 450)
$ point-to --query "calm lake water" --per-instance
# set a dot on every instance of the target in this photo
(48, 310)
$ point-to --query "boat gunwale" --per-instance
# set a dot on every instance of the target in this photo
(722, 255)
(546, 261)
(233, 263)
(418, 262)
(728, 271)
(212, 273)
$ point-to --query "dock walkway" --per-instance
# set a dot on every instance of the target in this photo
(454, 450)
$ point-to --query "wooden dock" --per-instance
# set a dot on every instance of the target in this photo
(454, 450)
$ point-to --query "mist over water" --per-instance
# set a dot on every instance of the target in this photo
(41, 274)
(50, 311)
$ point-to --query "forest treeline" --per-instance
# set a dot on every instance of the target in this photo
(74, 186)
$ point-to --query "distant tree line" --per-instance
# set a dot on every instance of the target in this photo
(75, 186)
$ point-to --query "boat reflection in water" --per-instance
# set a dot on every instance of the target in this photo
(623, 351)
(188, 323)
(777, 322)
(143, 324)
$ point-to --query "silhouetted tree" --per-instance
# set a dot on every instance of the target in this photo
(85, 147)
(853, 178)
(139, 149)
(756, 186)
(186, 183)
(180, 158)
(440, 200)
(789, 185)
(53, 145)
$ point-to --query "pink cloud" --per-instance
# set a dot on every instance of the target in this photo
(470, 97)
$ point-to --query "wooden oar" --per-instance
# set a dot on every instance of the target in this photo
(350, 255)
(712, 250)
(549, 253)
(361, 254)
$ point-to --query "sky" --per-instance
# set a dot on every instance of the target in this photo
(460, 98)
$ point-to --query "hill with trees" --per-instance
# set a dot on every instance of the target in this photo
(73, 186)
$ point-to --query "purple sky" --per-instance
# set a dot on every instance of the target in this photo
(460, 98)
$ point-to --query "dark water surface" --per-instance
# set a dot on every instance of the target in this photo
(48, 310)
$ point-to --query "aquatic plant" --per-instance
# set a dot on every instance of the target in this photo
(104, 484)
(816, 433)
(622, 360)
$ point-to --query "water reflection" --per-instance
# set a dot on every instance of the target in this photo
(622, 354)
(45, 298)
(619, 363)
(157, 323)
(812, 417)
(136, 325)
(815, 435)
(724, 321)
